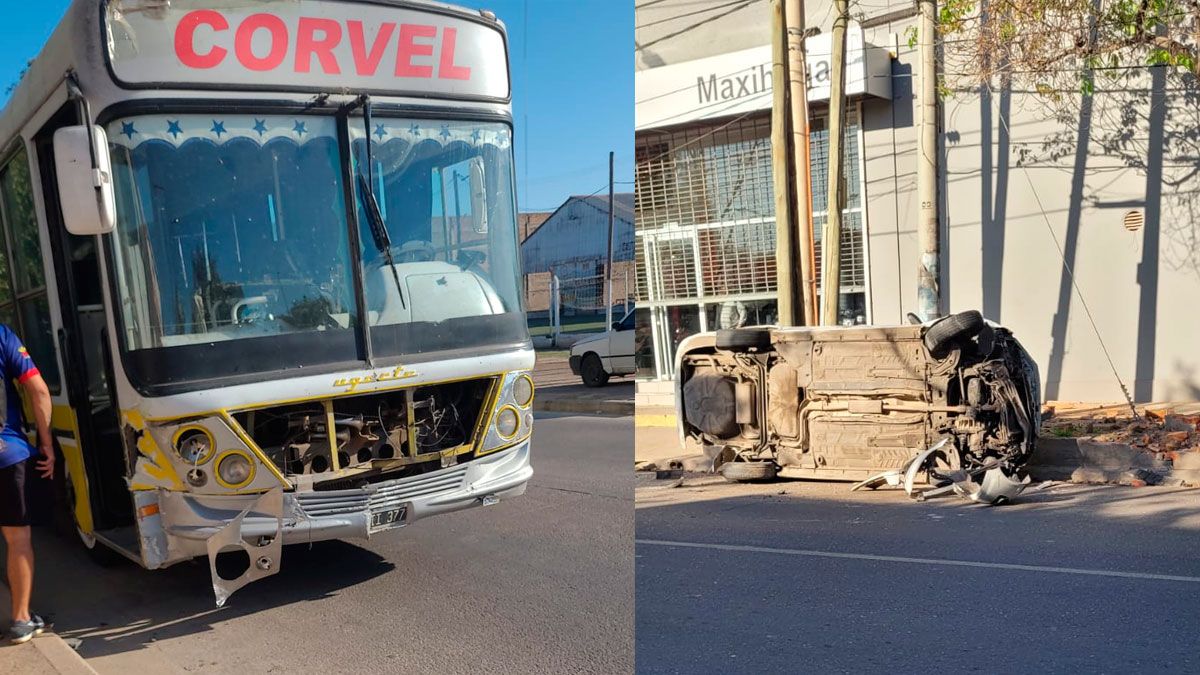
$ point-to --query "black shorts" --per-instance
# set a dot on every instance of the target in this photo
(14, 512)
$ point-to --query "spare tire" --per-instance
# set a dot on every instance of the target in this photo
(743, 472)
(952, 331)
(708, 405)
(744, 339)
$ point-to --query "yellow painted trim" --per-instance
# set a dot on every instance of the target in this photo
(335, 462)
(506, 446)
(212, 442)
(517, 429)
(488, 413)
(217, 470)
(322, 397)
(257, 451)
(532, 391)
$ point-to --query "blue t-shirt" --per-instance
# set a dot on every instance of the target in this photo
(16, 366)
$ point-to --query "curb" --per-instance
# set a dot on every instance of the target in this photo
(653, 420)
(584, 406)
(60, 655)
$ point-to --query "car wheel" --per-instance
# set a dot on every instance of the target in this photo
(746, 472)
(744, 339)
(952, 330)
(591, 370)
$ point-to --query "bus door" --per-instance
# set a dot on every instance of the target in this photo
(83, 342)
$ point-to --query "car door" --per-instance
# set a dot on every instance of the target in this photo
(621, 345)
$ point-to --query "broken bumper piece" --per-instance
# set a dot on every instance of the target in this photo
(995, 489)
(198, 525)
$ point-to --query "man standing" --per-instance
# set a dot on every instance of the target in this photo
(15, 453)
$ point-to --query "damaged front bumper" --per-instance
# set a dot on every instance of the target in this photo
(182, 526)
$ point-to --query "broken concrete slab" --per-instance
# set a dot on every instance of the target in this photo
(1058, 458)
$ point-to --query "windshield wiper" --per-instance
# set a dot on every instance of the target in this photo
(379, 232)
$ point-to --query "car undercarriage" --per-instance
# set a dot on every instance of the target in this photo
(946, 403)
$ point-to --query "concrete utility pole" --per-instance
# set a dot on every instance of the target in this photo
(785, 248)
(608, 277)
(798, 98)
(831, 239)
(928, 293)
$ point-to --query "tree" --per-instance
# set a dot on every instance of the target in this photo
(1050, 44)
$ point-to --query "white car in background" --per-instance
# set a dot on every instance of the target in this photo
(597, 358)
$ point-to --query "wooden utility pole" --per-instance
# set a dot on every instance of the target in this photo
(785, 248)
(798, 98)
(928, 293)
(831, 239)
(608, 277)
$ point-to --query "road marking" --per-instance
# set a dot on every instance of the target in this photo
(920, 561)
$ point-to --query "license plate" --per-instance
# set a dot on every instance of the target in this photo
(382, 520)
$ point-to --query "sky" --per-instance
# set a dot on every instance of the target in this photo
(572, 72)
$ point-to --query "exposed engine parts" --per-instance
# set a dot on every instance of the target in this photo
(862, 403)
(416, 430)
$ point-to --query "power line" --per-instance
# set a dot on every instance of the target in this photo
(696, 25)
(694, 12)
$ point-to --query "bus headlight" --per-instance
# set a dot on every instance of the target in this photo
(194, 445)
(234, 469)
(507, 422)
(523, 391)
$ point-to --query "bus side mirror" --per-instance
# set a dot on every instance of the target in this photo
(479, 200)
(85, 187)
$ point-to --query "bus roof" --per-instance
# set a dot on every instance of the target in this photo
(76, 44)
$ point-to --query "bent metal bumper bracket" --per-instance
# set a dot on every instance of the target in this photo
(264, 559)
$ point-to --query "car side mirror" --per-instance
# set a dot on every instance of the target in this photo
(479, 200)
(85, 186)
(616, 325)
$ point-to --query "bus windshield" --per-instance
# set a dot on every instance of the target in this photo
(444, 191)
(235, 228)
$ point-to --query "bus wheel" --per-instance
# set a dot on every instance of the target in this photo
(99, 553)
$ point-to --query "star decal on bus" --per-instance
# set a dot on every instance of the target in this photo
(381, 131)
(218, 128)
(174, 129)
(127, 130)
(260, 126)
(415, 130)
(445, 132)
(299, 129)
(476, 135)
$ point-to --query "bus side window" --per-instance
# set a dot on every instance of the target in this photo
(24, 302)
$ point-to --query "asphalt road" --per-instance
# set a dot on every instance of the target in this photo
(1070, 579)
(540, 583)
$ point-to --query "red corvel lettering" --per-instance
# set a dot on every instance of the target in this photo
(307, 44)
(364, 63)
(185, 39)
(446, 69)
(408, 49)
(245, 37)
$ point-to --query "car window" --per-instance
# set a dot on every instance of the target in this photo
(627, 323)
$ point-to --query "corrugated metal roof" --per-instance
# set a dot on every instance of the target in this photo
(578, 232)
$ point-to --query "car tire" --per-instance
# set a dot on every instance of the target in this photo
(748, 472)
(952, 330)
(744, 339)
(591, 371)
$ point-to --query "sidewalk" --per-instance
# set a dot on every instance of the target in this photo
(46, 654)
(1083, 443)
(558, 390)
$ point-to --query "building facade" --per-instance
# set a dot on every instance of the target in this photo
(1077, 234)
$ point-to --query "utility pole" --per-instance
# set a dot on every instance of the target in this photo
(798, 92)
(928, 293)
(831, 239)
(608, 279)
(785, 256)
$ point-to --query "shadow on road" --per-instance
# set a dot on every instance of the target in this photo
(122, 608)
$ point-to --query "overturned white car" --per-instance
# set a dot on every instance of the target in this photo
(950, 402)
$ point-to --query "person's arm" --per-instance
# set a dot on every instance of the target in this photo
(39, 396)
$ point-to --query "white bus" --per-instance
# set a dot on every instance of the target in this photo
(264, 253)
